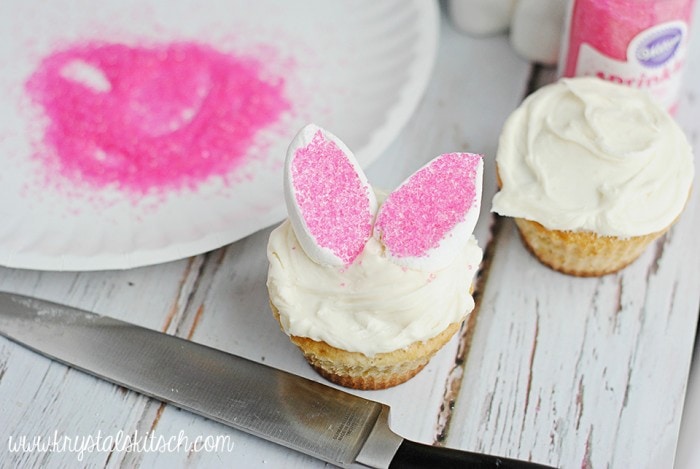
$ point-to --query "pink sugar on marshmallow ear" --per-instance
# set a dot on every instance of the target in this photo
(433, 213)
(330, 203)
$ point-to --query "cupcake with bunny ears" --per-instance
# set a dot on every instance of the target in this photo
(370, 286)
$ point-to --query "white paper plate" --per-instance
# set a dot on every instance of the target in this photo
(360, 70)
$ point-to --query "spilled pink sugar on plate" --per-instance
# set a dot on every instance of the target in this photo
(155, 118)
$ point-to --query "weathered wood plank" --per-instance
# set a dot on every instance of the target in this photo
(586, 372)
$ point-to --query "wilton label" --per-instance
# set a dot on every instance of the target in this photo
(654, 62)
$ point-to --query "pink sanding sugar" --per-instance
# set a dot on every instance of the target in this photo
(425, 209)
(610, 25)
(638, 43)
(333, 200)
(145, 118)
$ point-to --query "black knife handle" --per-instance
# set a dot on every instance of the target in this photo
(412, 455)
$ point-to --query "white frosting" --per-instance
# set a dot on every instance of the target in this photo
(373, 305)
(583, 154)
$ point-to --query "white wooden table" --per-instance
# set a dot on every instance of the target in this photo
(584, 373)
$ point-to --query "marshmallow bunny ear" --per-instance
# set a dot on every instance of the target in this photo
(330, 203)
(432, 214)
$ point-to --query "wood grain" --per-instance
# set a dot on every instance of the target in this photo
(574, 372)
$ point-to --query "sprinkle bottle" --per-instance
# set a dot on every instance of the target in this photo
(640, 43)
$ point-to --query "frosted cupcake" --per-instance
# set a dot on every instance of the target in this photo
(592, 172)
(370, 288)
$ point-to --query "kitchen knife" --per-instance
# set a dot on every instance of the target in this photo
(315, 419)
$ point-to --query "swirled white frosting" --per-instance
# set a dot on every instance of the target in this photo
(371, 306)
(583, 154)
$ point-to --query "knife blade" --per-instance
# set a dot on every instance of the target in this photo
(301, 414)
